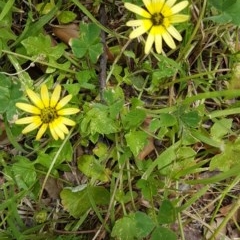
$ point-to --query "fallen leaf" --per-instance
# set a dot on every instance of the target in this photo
(66, 32)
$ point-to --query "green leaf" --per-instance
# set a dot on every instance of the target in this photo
(125, 228)
(98, 121)
(88, 43)
(229, 11)
(144, 224)
(95, 51)
(167, 213)
(66, 154)
(66, 17)
(133, 226)
(190, 119)
(228, 158)
(72, 88)
(92, 168)
(101, 150)
(34, 47)
(148, 187)
(24, 172)
(166, 158)
(84, 77)
(163, 234)
(89, 32)
(185, 160)
(10, 93)
(220, 128)
(78, 201)
(133, 119)
(136, 141)
(79, 47)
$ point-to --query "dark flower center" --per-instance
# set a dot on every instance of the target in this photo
(48, 114)
(157, 19)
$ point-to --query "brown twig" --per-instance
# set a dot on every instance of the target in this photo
(103, 58)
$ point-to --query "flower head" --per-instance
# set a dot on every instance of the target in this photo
(47, 112)
(157, 20)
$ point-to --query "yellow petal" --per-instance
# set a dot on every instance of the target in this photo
(158, 43)
(156, 30)
(45, 95)
(138, 10)
(57, 130)
(174, 32)
(63, 102)
(61, 125)
(149, 43)
(135, 23)
(31, 127)
(67, 111)
(55, 96)
(41, 131)
(179, 7)
(170, 3)
(156, 6)
(28, 108)
(28, 120)
(178, 18)
(166, 11)
(168, 39)
(52, 131)
(148, 4)
(147, 24)
(67, 121)
(35, 99)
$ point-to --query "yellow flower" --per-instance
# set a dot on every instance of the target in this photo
(47, 113)
(157, 20)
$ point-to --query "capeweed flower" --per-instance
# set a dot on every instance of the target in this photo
(157, 20)
(47, 113)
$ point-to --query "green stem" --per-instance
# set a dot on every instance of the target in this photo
(188, 45)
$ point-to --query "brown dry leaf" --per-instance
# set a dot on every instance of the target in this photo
(53, 187)
(225, 210)
(66, 32)
(150, 146)
(3, 135)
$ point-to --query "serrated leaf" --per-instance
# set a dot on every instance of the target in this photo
(92, 168)
(136, 141)
(10, 93)
(134, 118)
(42, 45)
(98, 121)
(79, 202)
